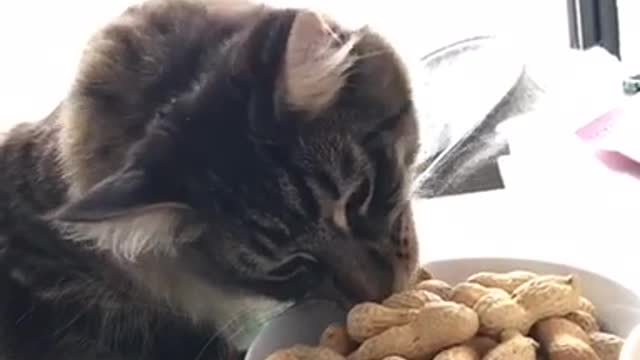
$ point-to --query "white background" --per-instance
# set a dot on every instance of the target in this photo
(41, 40)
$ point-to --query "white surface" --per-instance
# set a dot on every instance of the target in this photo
(504, 224)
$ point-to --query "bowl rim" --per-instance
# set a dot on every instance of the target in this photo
(488, 259)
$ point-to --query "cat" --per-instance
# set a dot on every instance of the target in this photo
(213, 160)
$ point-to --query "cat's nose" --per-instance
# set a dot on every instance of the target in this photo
(350, 290)
(359, 272)
(370, 278)
(361, 286)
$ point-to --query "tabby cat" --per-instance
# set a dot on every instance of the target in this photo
(212, 160)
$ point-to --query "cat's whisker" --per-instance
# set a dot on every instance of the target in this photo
(25, 315)
(222, 329)
(206, 345)
(248, 320)
(371, 54)
(69, 324)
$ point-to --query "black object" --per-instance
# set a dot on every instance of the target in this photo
(594, 23)
(631, 86)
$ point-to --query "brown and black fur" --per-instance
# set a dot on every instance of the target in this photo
(213, 159)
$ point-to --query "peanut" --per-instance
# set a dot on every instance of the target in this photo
(435, 286)
(336, 338)
(410, 299)
(422, 274)
(460, 352)
(472, 349)
(369, 319)
(469, 293)
(517, 347)
(541, 297)
(587, 306)
(607, 346)
(498, 311)
(561, 339)
(302, 352)
(506, 281)
(437, 326)
(547, 296)
(583, 319)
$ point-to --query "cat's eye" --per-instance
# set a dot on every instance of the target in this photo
(292, 266)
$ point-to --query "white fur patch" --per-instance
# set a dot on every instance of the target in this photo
(128, 238)
(236, 314)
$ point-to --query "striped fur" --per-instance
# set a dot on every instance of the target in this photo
(211, 162)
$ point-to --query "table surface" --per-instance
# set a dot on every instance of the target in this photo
(501, 224)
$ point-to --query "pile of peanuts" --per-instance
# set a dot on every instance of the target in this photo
(518, 315)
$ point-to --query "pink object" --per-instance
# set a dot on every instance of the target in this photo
(615, 136)
(600, 127)
(617, 162)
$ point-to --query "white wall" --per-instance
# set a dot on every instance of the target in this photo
(628, 11)
(42, 39)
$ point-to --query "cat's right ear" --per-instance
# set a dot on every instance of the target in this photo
(316, 62)
(129, 193)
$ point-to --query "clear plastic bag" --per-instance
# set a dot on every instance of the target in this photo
(460, 100)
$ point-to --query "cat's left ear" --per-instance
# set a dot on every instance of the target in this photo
(129, 193)
(316, 62)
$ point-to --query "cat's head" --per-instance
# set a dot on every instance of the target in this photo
(269, 151)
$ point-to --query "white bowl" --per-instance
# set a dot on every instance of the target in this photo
(618, 307)
(302, 324)
(631, 349)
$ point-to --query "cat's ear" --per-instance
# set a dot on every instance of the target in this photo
(129, 193)
(316, 62)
